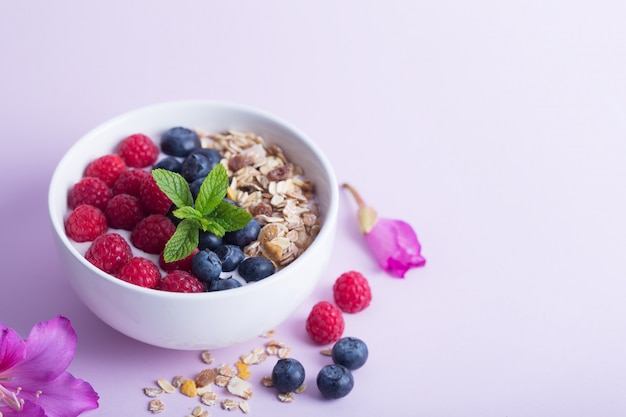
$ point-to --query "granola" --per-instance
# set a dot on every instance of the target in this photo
(273, 189)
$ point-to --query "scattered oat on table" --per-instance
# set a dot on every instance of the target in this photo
(152, 392)
(166, 386)
(327, 352)
(286, 397)
(156, 406)
(231, 378)
(207, 357)
(244, 407)
(240, 388)
(230, 404)
(266, 381)
(269, 334)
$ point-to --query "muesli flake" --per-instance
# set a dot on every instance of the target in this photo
(209, 398)
(301, 388)
(272, 188)
(244, 407)
(166, 386)
(286, 397)
(152, 392)
(207, 357)
(156, 406)
(240, 388)
(230, 404)
(266, 381)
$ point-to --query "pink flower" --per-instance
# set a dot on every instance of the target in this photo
(393, 242)
(34, 381)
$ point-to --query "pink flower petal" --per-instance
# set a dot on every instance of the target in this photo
(395, 246)
(50, 348)
(12, 349)
(65, 396)
(38, 371)
(29, 410)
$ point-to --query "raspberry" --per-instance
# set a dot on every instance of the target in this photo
(89, 190)
(140, 271)
(180, 281)
(152, 198)
(352, 292)
(129, 182)
(152, 233)
(182, 264)
(109, 252)
(124, 211)
(107, 167)
(325, 323)
(85, 223)
(138, 151)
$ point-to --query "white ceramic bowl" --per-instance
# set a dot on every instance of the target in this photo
(203, 320)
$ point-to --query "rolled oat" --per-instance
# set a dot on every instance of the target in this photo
(273, 189)
(156, 406)
(166, 386)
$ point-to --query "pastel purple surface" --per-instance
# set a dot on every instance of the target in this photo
(496, 130)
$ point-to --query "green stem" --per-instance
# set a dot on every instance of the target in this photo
(355, 194)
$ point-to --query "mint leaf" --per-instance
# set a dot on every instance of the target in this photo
(210, 213)
(183, 241)
(230, 217)
(187, 213)
(174, 186)
(210, 225)
(213, 190)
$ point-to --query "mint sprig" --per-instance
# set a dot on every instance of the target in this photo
(209, 212)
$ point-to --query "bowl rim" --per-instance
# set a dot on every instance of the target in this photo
(326, 230)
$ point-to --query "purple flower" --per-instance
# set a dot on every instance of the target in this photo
(393, 242)
(34, 381)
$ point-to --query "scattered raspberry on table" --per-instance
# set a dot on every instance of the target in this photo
(352, 292)
(325, 323)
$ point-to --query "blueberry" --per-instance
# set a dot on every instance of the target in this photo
(206, 266)
(230, 255)
(224, 284)
(256, 268)
(195, 166)
(170, 163)
(350, 352)
(211, 155)
(245, 236)
(194, 186)
(179, 141)
(335, 381)
(288, 375)
(208, 240)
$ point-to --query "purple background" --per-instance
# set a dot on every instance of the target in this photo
(496, 129)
